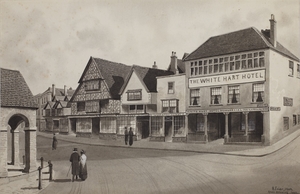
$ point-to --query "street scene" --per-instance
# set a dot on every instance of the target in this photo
(150, 96)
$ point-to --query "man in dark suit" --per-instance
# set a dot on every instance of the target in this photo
(74, 159)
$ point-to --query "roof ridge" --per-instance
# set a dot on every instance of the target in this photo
(110, 61)
(9, 69)
(233, 32)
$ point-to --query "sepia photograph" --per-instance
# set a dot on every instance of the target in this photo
(148, 96)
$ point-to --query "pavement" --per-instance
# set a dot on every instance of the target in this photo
(28, 183)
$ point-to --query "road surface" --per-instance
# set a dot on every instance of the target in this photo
(127, 170)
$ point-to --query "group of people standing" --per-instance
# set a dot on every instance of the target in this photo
(128, 134)
(78, 164)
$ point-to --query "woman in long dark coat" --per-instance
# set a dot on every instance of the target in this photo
(83, 166)
(54, 142)
(126, 135)
(130, 136)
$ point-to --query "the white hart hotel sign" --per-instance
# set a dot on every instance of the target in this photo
(233, 78)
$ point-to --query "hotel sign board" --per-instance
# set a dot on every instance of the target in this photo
(265, 109)
(287, 101)
(272, 108)
(233, 78)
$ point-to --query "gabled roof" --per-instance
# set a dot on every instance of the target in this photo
(50, 104)
(147, 77)
(58, 98)
(15, 91)
(234, 42)
(58, 103)
(114, 74)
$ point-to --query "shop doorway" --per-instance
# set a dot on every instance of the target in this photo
(95, 126)
(143, 127)
(168, 129)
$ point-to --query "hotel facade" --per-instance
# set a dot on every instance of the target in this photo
(239, 87)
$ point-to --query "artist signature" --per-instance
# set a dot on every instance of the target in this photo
(282, 190)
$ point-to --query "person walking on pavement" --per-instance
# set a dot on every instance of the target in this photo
(126, 135)
(74, 159)
(54, 142)
(83, 166)
(130, 136)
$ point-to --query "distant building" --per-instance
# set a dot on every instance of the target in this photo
(17, 107)
(52, 111)
(243, 86)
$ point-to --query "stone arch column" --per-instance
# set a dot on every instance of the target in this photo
(3, 150)
(30, 149)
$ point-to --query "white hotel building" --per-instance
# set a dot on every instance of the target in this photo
(244, 87)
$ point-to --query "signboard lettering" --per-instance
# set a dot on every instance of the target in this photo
(275, 108)
(232, 78)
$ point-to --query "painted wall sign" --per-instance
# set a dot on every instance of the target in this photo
(262, 105)
(287, 101)
(233, 78)
(265, 109)
(275, 108)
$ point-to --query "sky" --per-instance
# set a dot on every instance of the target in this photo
(50, 42)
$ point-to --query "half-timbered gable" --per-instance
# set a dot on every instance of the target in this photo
(99, 86)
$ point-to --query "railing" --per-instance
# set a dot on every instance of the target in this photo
(40, 168)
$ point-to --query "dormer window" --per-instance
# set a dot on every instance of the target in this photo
(134, 95)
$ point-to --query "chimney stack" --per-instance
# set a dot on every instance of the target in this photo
(65, 90)
(53, 90)
(49, 93)
(173, 64)
(273, 30)
(154, 65)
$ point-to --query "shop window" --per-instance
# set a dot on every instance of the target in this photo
(170, 87)
(179, 125)
(195, 97)
(298, 70)
(286, 121)
(216, 95)
(92, 85)
(233, 94)
(156, 125)
(169, 106)
(126, 121)
(134, 95)
(258, 93)
(298, 119)
(294, 120)
(291, 68)
(80, 106)
(107, 125)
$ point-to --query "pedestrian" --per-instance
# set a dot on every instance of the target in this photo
(130, 136)
(126, 135)
(74, 159)
(54, 142)
(83, 166)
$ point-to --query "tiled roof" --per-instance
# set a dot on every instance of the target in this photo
(15, 91)
(113, 73)
(148, 76)
(234, 42)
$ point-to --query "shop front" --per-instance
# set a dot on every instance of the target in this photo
(234, 125)
(168, 127)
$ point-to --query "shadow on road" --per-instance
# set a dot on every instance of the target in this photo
(61, 180)
(29, 188)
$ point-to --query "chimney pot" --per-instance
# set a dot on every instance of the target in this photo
(65, 90)
(53, 90)
(273, 31)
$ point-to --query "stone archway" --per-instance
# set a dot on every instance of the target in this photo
(10, 146)
(14, 140)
